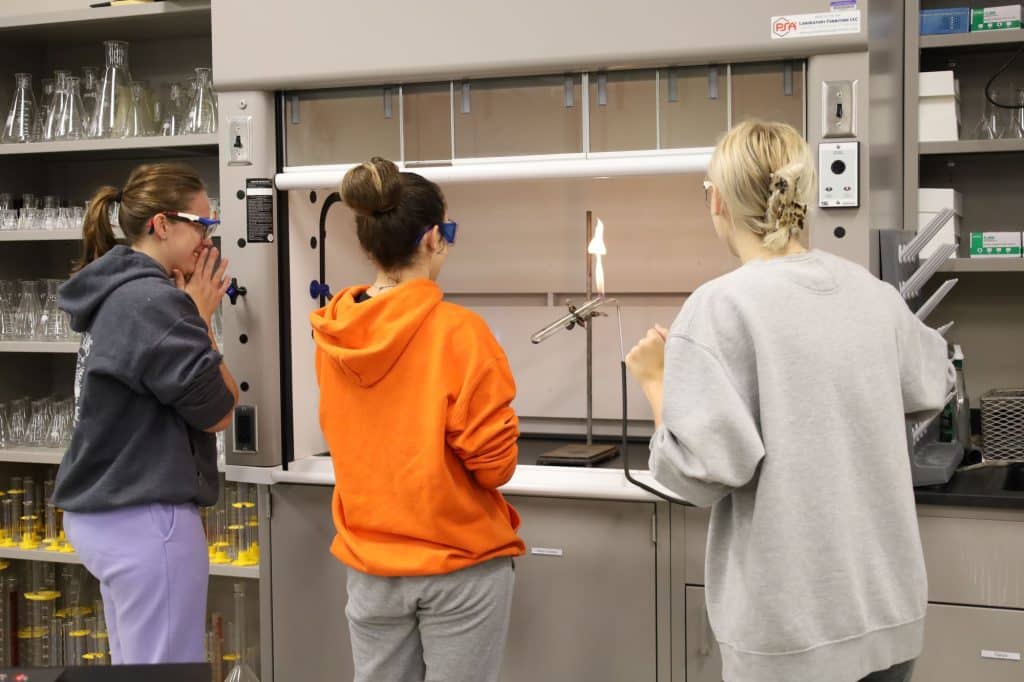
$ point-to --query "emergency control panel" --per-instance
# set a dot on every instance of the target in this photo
(838, 174)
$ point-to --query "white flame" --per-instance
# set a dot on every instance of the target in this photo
(598, 249)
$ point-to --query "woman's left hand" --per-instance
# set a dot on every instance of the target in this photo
(646, 361)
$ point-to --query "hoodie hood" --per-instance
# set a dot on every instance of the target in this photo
(366, 339)
(83, 294)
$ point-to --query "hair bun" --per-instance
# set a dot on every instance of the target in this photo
(373, 187)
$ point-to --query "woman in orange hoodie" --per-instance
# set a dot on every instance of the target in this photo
(415, 400)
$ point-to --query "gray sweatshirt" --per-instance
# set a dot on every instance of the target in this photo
(147, 384)
(786, 386)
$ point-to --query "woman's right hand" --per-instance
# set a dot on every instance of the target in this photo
(207, 285)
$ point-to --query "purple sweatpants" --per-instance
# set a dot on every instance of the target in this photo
(154, 570)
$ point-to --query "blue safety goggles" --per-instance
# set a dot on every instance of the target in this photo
(447, 228)
(208, 225)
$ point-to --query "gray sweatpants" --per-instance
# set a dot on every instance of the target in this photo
(436, 628)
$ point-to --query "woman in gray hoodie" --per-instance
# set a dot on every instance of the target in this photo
(151, 390)
(779, 395)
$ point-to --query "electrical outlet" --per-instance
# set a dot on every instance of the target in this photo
(838, 109)
(240, 141)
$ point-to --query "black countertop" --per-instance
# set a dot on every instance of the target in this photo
(991, 486)
(1000, 486)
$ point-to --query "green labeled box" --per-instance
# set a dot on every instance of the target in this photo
(995, 244)
(995, 18)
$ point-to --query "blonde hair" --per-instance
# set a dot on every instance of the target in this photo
(765, 175)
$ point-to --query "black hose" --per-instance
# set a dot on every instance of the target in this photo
(625, 450)
(331, 200)
(988, 86)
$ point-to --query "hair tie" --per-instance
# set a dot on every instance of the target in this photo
(119, 196)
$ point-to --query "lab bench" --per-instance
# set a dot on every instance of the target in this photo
(612, 585)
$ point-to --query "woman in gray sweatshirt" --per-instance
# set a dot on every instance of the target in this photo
(151, 390)
(779, 394)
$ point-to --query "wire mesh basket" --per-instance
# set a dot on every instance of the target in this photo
(1002, 425)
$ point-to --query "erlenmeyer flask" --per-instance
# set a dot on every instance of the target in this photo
(5, 437)
(148, 105)
(53, 322)
(140, 116)
(17, 424)
(44, 106)
(21, 117)
(1016, 127)
(115, 92)
(240, 671)
(175, 112)
(55, 112)
(202, 110)
(26, 316)
(73, 119)
(9, 297)
(90, 96)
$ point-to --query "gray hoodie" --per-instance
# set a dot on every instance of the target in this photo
(147, 384)
(786, 386)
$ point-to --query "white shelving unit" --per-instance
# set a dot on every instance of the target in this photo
(132, 147)
(38, 346)
(971, 147)
(90, 24)
(28, 455)
(984, 265)
(46, 235)
(1009, 38)
(40, 235)
(18, 554)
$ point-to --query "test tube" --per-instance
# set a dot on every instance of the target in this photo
(57, 644)
(97, 642)
(29, 516)
(16, 493)
(8, 622)
(8, 523)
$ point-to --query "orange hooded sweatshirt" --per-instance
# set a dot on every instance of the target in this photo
(414, 404)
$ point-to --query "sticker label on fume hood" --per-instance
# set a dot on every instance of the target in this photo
(1000, 655)
(259, 210)
(546, 551)
(814, 25)
(837, 5)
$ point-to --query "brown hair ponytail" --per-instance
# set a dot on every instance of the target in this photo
(150, 189)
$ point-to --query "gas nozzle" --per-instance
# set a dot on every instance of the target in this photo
(575, 316)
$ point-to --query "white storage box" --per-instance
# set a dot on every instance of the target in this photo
(938, 107)
(929, 202)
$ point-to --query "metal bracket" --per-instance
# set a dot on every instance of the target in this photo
(387, 103)
(787, 79)
(713, 82)
(295, 110)
(602, 89)
(570, 94)
(673, 86)
(465, 98)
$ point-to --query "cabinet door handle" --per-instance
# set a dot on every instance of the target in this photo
(704, 643)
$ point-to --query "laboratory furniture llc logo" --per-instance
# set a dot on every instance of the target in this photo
(783, 26)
